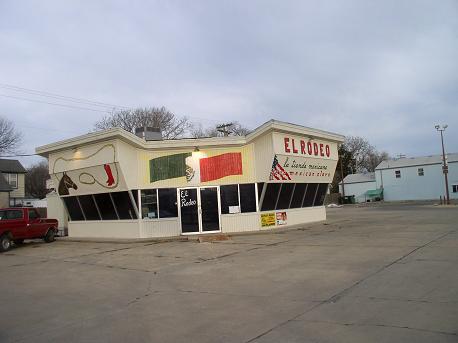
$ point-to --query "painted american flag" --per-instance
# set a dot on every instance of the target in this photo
(277, 172)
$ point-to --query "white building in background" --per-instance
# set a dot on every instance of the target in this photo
(414, 178)
(357, 185)
(417, 178)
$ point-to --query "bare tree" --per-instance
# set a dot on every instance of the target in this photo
(10, 139)
(170, 125)
(364, 156)
(232, 129)
(375, 158)
(35, 180)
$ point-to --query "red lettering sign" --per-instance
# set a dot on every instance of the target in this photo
(294, 148)
(321, 149)
(328, 151)
(309, 148)
(302, 147)
(315, 149)
(287, 145)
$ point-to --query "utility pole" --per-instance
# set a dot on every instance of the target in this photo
(441, 129)
(223, 129)
(342, 176)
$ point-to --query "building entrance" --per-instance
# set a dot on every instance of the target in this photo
(199, 210)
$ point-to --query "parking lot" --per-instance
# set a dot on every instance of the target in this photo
(371, 274)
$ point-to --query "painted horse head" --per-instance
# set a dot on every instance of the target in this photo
(65, 184)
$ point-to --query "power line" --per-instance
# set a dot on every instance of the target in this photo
(19, 155)
(58, 96)
(71, 99)
(55, 104)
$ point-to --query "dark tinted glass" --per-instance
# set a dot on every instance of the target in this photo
(105, 206)
(14, 214)
(321, 194)
(168, 203)
(310, 194)
(229, 197)
(270, 197)
(149, 203)
(248, 197)
(298, 195)
(286, 193)
(89, 209)
(33, 214)
(73, 208)
(124, 206)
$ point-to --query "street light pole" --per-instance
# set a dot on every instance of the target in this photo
(444, 166)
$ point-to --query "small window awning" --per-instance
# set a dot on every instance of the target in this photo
(374, 193)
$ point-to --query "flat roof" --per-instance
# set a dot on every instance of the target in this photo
(118, 133)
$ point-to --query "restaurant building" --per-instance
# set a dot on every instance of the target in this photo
(115, 184)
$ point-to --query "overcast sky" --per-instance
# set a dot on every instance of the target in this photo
(383, 70)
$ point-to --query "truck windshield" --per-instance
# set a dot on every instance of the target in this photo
(10, 214)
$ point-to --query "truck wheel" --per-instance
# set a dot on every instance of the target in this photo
(49, 236)
(5, 243)
(18, 241)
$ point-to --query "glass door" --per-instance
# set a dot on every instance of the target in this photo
(199, 210)
(209, 209)
(189, 210)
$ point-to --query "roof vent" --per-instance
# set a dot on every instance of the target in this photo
(149, 133)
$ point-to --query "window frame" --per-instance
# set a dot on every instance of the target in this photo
(9, 180)
(455, 188)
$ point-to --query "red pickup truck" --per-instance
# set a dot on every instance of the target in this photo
(17, 224)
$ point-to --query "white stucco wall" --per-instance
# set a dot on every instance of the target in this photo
(411, 186)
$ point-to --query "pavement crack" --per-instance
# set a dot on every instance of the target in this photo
(385, 326)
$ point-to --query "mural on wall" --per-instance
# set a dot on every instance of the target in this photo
(104, 176)
(196, 167)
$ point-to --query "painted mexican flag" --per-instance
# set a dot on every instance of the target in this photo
(168, 167)
(196, 169)
(217, 167)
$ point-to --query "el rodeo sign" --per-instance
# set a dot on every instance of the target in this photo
(304, 147)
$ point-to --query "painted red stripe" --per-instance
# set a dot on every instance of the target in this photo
(217, 167)
(278, 172)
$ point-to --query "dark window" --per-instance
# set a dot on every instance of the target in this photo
(124, 206)
(229, 197)
(11, 214)
(168, 203)
(421, 172)
(321, 194)
(284, 199)
(270, 196)
(298, 195)
(149, 203)
(105, 206)
(33, 214)
(455, 188)
(73, 208)
(397, 173)
(89, 209)
(247, 198)
(310, 194)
